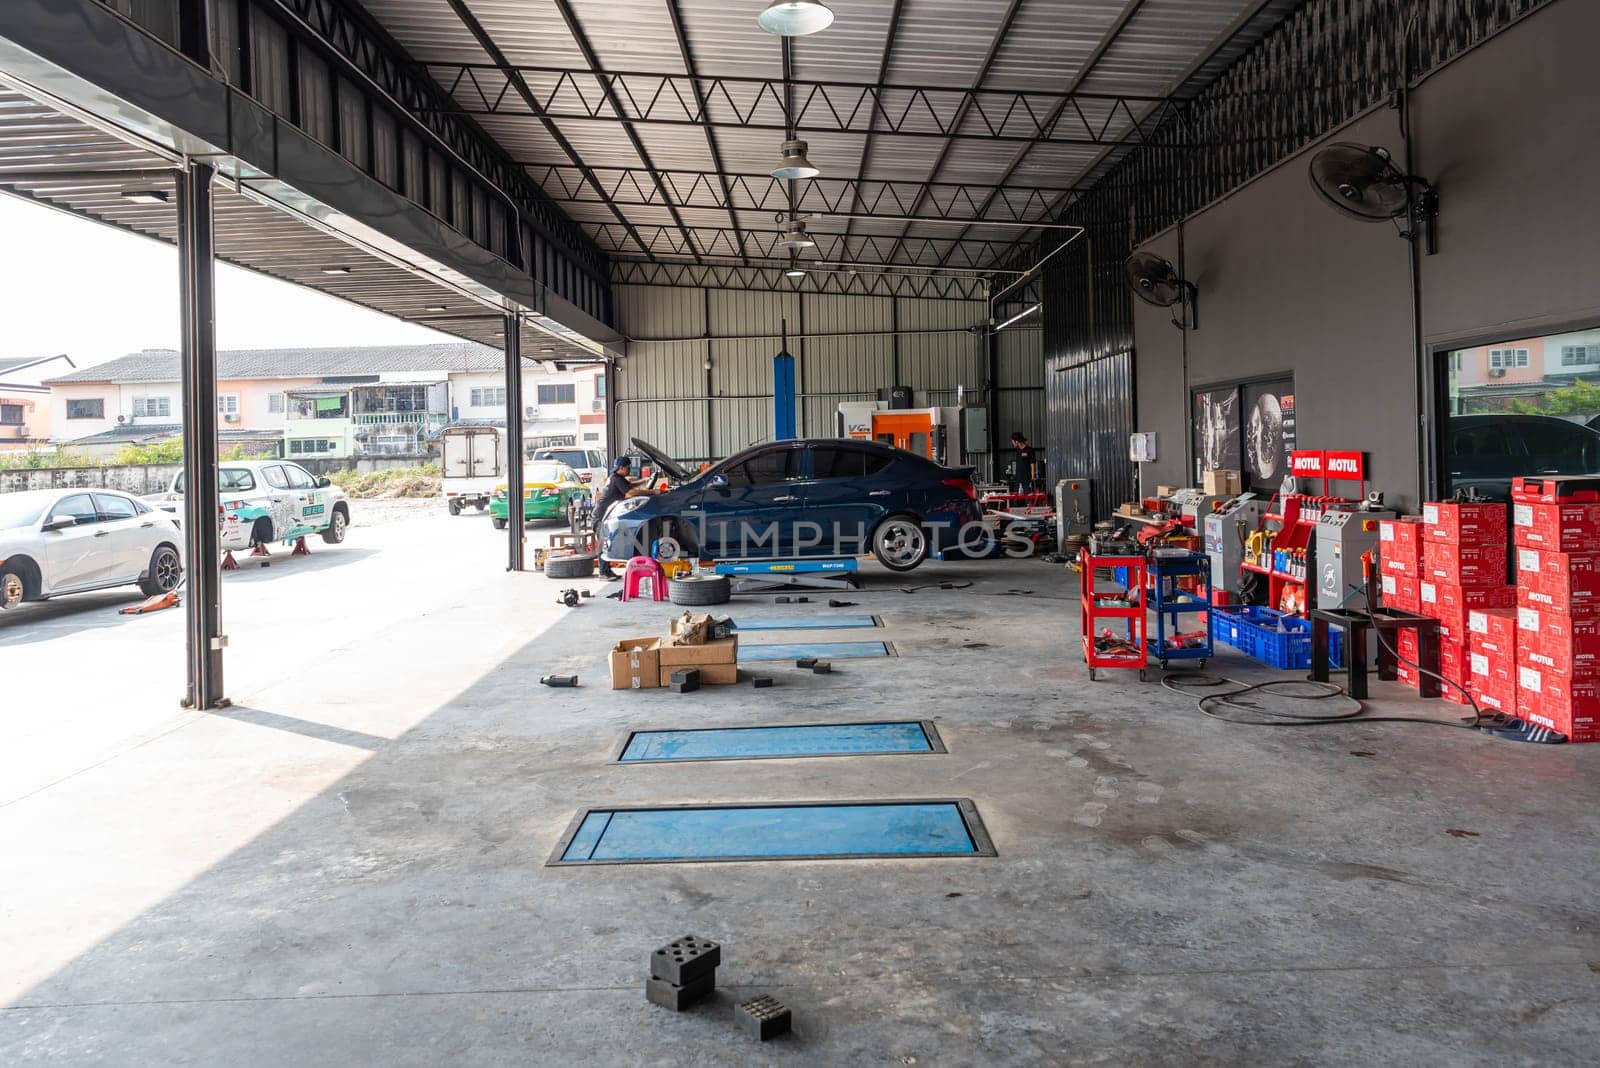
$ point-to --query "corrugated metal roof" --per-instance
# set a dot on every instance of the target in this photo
(161, 365)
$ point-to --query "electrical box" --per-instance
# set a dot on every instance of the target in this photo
(1225, 532)
(1342, 538)
(894, 397)
(974, 430)
(1074, 508)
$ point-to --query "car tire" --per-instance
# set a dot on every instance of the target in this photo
(693, 590)
(479, 505)
(569, 566)
(455, 507)
(900, 543)
(498, 523)
(13, 587)
(261, 532)
(338, 524)
(164, 574)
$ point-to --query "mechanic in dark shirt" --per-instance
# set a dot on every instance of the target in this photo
(1027, 471)
(618, 486)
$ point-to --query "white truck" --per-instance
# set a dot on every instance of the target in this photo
(474, 461)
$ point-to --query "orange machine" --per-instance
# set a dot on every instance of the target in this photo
(930, 432)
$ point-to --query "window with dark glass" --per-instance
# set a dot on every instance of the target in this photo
(768, 468)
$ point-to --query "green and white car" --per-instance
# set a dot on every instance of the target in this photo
(263, 501)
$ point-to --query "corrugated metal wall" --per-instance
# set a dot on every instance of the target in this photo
(665, 394)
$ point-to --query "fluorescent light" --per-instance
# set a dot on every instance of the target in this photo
(336, 270)
(145, 196)
(795, 18)
(794, 163)
(795, 272)
(436, 307)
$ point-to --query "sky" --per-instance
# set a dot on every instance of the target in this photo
(95, 293)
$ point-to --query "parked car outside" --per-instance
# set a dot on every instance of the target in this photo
(1485, 452)
(590, 464)
(263, 501)
(548, 490)
(821, 497)
(54, 542)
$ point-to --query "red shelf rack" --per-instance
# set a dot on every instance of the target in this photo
(1094, 608)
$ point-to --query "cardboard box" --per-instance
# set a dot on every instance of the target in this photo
(1497, 697)
(1400, 593)
(1464, 565)
(1566, 645)
(1400, 546)
(1494, 630)
(1552, 489)
(710, 674)
(1490, 668)
(1449, 604)
(1565, 582)
(636, 664)
(1567, 705)
(1465, 524)
(1562, 528)
(1221, 482)
(721, 651)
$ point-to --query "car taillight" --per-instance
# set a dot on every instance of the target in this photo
(964, 485)
(585, 476)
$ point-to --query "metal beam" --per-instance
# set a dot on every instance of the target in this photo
(700, 105)
(771, 278)
(197, 309)
(581, 39)
(516, 526)
(866, 145)
(663, 240)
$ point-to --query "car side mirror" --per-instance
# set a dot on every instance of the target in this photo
(62, 522)
(324, 482)
(719, 481)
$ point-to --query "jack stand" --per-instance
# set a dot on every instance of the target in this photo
(259, 549)
(300, 547)
(228, 562)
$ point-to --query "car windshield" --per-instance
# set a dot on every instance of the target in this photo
(570, 457)
(546, 473)
(228, 478)
(19, 511)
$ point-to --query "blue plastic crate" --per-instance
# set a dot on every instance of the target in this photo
(1274, 638)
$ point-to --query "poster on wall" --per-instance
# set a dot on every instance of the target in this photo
(1216, 430)
(1269, 432)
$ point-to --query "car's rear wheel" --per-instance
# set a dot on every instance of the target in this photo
(900, 543)
(165, 572)
(261, 532)
(337, 525)
(13, 589)
(455, 507)
(499, 524)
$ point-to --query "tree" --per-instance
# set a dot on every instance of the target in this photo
(1580, 398)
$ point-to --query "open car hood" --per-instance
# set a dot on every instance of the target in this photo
(662, 461)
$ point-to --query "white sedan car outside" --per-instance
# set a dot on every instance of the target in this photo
(70, 541)
(263, 501)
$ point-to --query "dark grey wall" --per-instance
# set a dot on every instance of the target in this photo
(1507, 132)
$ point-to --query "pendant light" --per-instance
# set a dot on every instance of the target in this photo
(794, 163)
(795, 18)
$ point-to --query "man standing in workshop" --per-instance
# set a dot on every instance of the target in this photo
(618, 486)
(1027, 470)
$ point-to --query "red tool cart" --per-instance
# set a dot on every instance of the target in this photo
(1122, 644)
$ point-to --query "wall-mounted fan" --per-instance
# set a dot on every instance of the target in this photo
(1365, 184)
(1156, 281)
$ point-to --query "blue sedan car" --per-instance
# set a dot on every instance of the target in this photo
(819, 497)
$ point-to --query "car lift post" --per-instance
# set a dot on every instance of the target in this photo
(515, 522)
(197, 308)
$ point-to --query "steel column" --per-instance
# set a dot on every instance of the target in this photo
(197, 290)
(515, 523)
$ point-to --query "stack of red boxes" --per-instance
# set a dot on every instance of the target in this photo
(1400, 563)
(1463, 568)
(1492, 659)
(1556, 524)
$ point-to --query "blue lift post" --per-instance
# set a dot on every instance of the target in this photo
(783, 421)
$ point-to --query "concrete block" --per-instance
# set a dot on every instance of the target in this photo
(685, 960)
(763, 1018)
(677, 998)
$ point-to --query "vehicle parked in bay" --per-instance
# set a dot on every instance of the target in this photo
(549, 491)
(818, 497)
(590, 464)
(1485, 452)
(54, 542)
(263, 501)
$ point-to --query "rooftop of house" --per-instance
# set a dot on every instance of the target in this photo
(147, 433)
(161, 365)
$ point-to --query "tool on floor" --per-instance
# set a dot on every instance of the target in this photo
(763, 1018)
(834, 602)
(151, 604)
(559, 680)
(568, 598)
(683, 972)
(761, 682)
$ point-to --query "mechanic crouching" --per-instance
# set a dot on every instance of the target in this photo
(618, 486)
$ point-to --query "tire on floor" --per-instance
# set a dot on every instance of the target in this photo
(693, 590)
(569, 565)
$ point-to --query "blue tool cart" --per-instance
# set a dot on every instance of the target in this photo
(1174, 607)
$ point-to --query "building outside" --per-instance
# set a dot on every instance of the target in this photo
(326, 403)
(25, 410)
(1558, 374)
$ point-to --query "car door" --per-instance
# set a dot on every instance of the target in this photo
(843, 497)
(754, 509)
(75, 555)
(277, 500)
(124, 539)
(308, 504)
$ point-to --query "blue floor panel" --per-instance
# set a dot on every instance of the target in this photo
(754, 743)
(805, 623)
(820, 650)
(777, 832)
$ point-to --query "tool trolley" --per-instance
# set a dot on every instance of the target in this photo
(1123, 644)
(1173, 605)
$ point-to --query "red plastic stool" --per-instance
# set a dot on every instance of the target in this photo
(639, 569)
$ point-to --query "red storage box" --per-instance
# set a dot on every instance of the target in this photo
(1553, 489)
(1566, 705)
(1450, 604)
(1400, 593)
(1400, 546)
(1496, 696)
(1567, 645)
(1494, 629)
(1562, 528)
(1465, 524)
(1406, 645)
(1464, 565)
(1489, 667)
(1565, 582)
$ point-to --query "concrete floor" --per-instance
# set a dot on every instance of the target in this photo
(350, 867)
